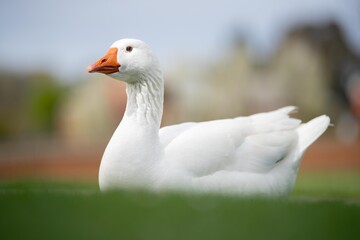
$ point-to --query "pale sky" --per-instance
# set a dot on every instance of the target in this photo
(65, 36)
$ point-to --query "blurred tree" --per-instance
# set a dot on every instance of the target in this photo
(28, 104)
(45, 95)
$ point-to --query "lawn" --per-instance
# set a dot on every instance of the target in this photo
(322, 206)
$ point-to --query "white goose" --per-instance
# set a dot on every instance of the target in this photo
(259, 154)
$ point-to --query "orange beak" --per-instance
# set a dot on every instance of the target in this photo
(107, 64)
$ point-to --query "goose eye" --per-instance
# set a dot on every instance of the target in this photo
(129, 48)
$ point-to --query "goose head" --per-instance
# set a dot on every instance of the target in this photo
(128, 60)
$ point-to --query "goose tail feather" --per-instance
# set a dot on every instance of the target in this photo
(311, 131)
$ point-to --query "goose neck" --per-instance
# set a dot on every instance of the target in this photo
(145, 100)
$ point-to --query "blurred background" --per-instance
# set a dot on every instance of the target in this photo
(221, 59)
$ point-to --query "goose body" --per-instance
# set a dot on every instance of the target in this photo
(254, 155)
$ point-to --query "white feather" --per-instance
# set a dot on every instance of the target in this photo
(311, 131)
(259, 154)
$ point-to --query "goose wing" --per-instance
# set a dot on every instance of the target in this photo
(252, 144)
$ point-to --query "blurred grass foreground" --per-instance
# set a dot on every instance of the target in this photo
(52, 136)
(53, 210)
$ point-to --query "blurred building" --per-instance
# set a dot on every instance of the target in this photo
(91, 111)
(340, 73)
(313, 68)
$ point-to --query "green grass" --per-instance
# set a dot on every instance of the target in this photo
(340, 185)
(322, 206)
